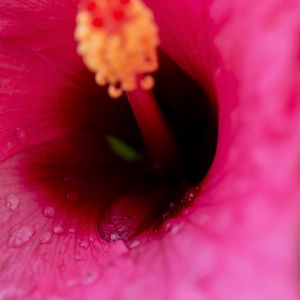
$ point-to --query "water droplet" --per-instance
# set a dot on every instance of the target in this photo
(167, 226)
(176, 227)
(114, 237)
(71, 196)
(84, 244)
(20, 135)
(91, 238)
(190, 197)
(49, 211)
(72, 230)
(22, 236)
(134, 244)
(90, 277)
(58, 229)
(45, 237)
(12, 202)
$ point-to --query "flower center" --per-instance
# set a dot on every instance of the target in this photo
(118, 40)
(102, 176)
(125, 167)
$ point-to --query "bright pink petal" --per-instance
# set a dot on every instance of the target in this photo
(240, 242)
(186, 31)
(239, 239)
(36, 74)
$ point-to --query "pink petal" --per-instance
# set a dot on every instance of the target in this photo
(187, 31)
(239, 239)
(39, 32)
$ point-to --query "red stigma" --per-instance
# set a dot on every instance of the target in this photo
(97, 22)
(118, 15)
(91, 6)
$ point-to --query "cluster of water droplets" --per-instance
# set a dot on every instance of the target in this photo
(84, 244)
(12, 202)
(171, 225)
(191, 195)
(182, 207)
(87, 242)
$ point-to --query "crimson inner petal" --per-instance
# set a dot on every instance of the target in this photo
(86, 182)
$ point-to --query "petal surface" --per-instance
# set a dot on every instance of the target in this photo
(239, 239)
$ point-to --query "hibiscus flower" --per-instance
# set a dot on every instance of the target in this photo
(84, 213)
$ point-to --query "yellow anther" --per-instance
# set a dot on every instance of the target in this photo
(147, 83)
(118, 41)
(114, 92)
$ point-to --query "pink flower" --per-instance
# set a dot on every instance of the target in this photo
(238, 239)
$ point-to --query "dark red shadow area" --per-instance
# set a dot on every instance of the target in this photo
(84, 180)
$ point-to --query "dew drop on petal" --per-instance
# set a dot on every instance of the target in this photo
(190, 197)
(22, 236)
(114, 237)
(20, 135)
(45, 237)
(176, 227)
(89, 278)
(84, 244)
(58, 229)
(49, 211)
(72, 230)
(12, 202)
(167, 226)
(91, 238)
(134, 244)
